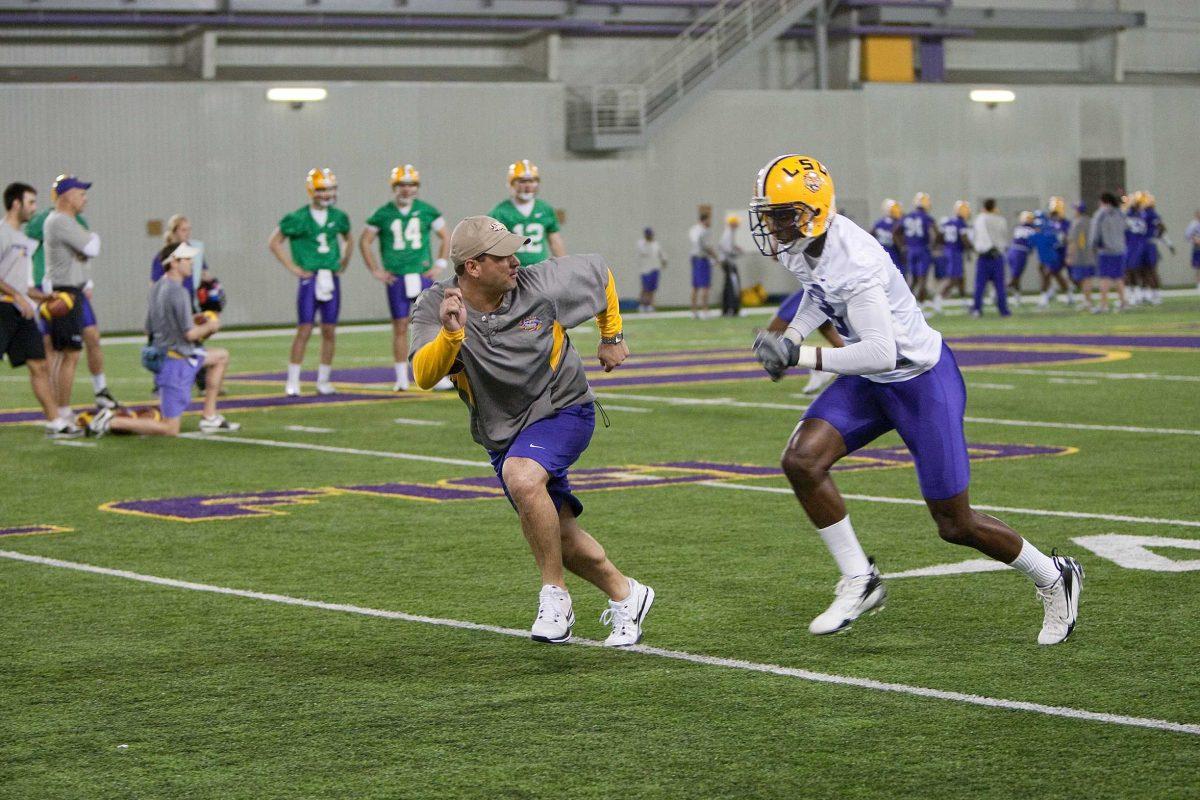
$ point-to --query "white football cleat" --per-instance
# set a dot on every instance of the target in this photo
(817, 380)
(218, 424)
(855, 596)
(292, 390)
(555, 616)
(1061, 600)
(627, 616)
(325, 388)
(64, 429)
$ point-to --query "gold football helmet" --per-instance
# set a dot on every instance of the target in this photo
(793, 203)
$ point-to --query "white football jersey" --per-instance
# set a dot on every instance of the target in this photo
(851, 262)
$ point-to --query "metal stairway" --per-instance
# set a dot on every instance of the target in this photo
(621, 114)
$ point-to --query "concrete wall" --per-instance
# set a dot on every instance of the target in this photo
(235, 163)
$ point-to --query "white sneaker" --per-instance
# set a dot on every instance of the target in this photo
(818, 380)
(854, 597)
(64, 429)
(218, 424)
(1061, 600)
(326, 388)
(626, 617)
(555, 616)
(292, 389)
(444, 385)
(98, 426)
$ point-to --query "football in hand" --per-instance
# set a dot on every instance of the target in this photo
(58, 306)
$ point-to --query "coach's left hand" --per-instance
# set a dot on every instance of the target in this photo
(612, 355)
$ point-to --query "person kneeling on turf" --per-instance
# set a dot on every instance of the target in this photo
(176, 333)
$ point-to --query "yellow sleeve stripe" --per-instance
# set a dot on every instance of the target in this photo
(433, 361)
(556, 349)
(609, 319)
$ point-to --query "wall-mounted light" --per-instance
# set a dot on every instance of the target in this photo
(296, 96)
(992, 97)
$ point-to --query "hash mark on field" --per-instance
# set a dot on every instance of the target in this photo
(631, 409)
(73, 443)
(981, 385)
(1074, 381)
(676, 655)
(407, 421)
(307, 429)
(1115, 376)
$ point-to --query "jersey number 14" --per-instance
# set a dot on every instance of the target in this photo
(410, 233)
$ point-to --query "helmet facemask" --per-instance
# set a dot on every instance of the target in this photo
(781, 227)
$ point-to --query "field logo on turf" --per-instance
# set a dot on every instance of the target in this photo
(205, 508)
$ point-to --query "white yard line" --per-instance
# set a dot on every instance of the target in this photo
(1075, 381)
(981, 385)
(73, 443)
(676, 655)
(632, 409)
(1020, 423)
(1112, 376)
(324, 448)
(408, 421)
(912, 501)
(308, 429)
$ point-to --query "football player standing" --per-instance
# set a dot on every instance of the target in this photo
(919, 232)
(956, 241)
(319, 250)
(1018, 254)
(405, 227)
(896, 374)
(885, 228)
(526, 214)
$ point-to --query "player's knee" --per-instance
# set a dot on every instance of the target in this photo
(524, 478)
(955, 530)
(803, 466)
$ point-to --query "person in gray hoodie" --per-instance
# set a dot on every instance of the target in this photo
(1107, 238)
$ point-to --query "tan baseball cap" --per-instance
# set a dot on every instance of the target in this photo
(475, 236)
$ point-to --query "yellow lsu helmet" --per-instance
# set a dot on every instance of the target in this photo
(962, 209)
(733, 219)
(1056, 205)
(322, 178)
(522, 169)
(892, 209)
(793, 202)
(405, 174)
(1148, 200)
(921, 200)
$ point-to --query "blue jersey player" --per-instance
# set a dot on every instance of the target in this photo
(918, 227)
(886, 230)
(1050, 240)
(1018, 253)
(1148, 263)
(955, 234)
(897, 374)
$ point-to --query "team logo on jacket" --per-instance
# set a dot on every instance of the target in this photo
(531, 324)
(812, 181)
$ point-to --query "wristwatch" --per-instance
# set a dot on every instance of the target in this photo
(616, 338)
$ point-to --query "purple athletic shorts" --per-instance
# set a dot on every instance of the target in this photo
(701, 272)
(399, 303)
(927, 412)
(175, 381)
(556, 442)
(308, 306)
(918, 261)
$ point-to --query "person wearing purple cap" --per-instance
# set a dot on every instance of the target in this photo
(650, 260)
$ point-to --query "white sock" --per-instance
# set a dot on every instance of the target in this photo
(293, 374)
(1038, 566)
(99, 383)
(64, 413)
(844, 547)
(402, 374)
(323, 372)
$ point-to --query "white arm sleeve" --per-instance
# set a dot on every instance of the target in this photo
(438, 224)
(875, 351)
(808, 318)
(92, 248)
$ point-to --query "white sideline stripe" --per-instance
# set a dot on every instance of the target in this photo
(909, 501)
(633, 409)
(1115, 376)
(677, 655)
(408, 421)
(958, 568)
(324, 448)
(1020, 423)
(308, 429)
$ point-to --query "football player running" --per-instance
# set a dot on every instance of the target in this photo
(319, 239)
(404, 227)
(525, 214)
(897, 374)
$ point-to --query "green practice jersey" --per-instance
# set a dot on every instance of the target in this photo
(405, 236)
(315, 246)
(33, 229)
(537, 227)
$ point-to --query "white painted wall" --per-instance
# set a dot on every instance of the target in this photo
(235, 163)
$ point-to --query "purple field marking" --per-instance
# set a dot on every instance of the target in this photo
(1087, 340)
(27, 529)
(425, 491)
(219, 506)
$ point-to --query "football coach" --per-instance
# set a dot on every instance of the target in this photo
(500, 333)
